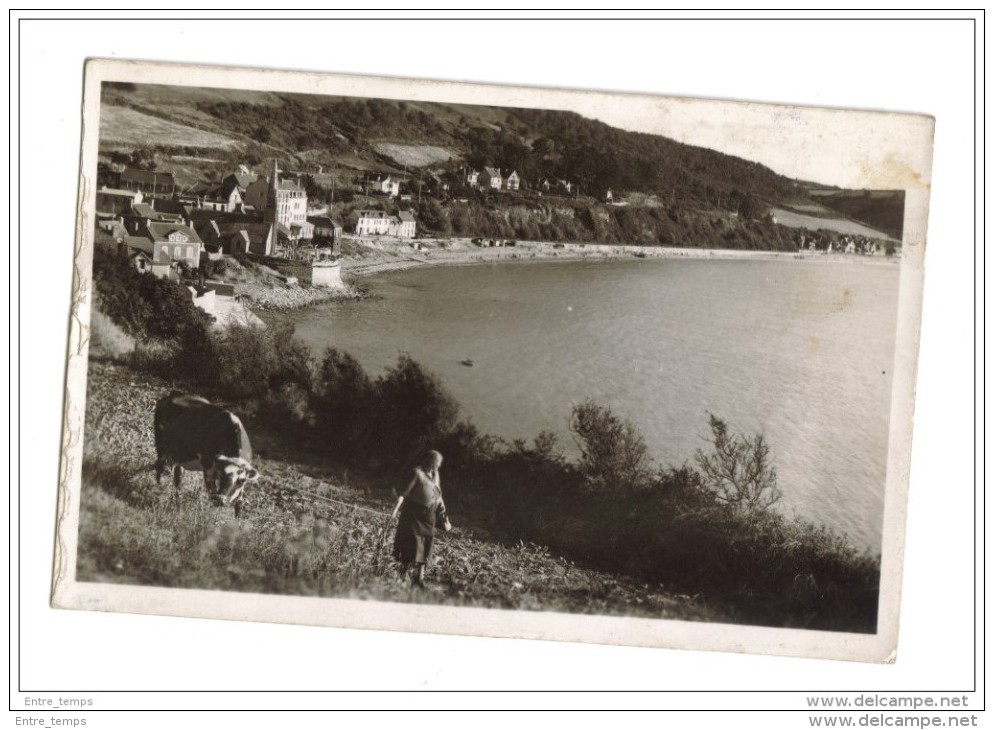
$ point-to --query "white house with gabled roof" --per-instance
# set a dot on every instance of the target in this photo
(389, 186)
(406, 224)
(490, 179)
(372, 222)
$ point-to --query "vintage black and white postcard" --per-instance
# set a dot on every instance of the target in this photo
(498, 361)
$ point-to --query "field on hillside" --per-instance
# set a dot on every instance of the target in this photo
(793, 219)
(415, 155)
(308, 529)
(125, 126)
(813, 209)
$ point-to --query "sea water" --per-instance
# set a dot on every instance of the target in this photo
(801, 351)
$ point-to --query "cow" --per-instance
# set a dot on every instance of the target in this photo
(194, 434)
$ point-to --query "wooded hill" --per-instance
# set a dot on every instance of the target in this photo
(354, 135)
(538, 144)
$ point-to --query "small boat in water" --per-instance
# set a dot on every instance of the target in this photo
(467, 362)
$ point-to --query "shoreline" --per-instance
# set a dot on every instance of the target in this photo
(397, 256)
(380, 257)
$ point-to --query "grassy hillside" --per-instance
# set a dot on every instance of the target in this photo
(706, 529)
(309, 530)
(125, 127)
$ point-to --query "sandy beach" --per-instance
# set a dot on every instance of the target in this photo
(380, 255)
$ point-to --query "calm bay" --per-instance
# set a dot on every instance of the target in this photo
(799, 350)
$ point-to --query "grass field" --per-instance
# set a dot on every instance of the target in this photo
(794, 219)
(412, 155)
(121, 125)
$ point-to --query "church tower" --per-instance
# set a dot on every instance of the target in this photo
(272, 203)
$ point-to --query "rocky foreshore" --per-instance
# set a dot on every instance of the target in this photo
(287, 297)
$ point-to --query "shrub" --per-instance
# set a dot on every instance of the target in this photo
(116, 288)
(466, 449)
(295, 365)
(287, 408)
(212, 268)
(173, 314)
(196, 357)
(413, 409)
(432, 216)
(737, 471)
(613, 453)
(342, 402)
(144, 305)
(248, 361)
(261, 134)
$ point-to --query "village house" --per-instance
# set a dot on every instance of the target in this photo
(242, 178)
(166, 245)
(372, 222)
(225, 196)
(405, 225)
(178, 243)
(380, 223)
(389, 186)
(490, 179)
(258, 238)
(256, 194)
(237, 183)
(209, 232)
(141, 260)
(113, 227)
(472, 178)
(236, 237)
(148, 182)
(512, 181)
(239, 241)
(113, 202)
(199, 215)
(436, 185)
(325, 229)
(169, 207)
(230, 194)
(147, 211)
